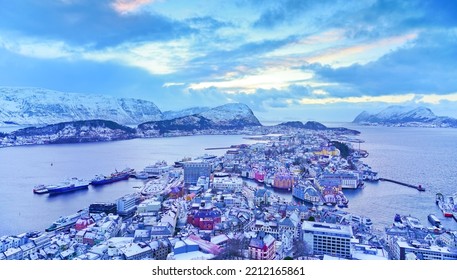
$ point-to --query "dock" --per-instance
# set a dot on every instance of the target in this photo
(419, 187)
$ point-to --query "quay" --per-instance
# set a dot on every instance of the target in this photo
(419, 187)
(218, 148)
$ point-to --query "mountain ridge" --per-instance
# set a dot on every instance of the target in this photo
(405, 116)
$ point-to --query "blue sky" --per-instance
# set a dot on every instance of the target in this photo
(286, 59)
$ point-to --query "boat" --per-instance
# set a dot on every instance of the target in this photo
(444, 205)
(434, 220)
(70, 185)
(40, 189)
(413, 222)
(141, 175)
(64, 222)
(114, 177)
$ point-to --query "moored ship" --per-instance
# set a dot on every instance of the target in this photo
(114, 177)
(40, 189)
(64, 222)
(70, 185)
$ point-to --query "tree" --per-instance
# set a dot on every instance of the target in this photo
(300, 248)
(233, 250)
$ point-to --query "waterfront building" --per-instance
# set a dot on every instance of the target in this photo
(283, 180)
(307, 192)
(328, 239)
(262, 247)
(404, 249)
(194, 169)
(126, 205)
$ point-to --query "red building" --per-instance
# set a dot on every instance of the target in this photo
(206, 217)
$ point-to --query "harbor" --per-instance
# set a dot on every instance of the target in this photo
(417, 187)
(331, 211)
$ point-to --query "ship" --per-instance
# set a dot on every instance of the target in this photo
(434, 220)
(70, 185)
(64, 222)
(444, 205)
(114, 177)
(40, 189)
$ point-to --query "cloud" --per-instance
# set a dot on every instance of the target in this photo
(128, 6)
(88, 23)
(264, 79)
(427, 65)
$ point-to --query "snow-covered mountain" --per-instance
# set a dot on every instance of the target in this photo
(71, 132)
(37, 106)
(313, 125)
(231, 114)
(169, 115)
(405, 116)
(225, 117)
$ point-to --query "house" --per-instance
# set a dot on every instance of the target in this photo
(262, 247)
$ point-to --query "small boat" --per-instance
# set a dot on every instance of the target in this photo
(40, 189)
(434, 220)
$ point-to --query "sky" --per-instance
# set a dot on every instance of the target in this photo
(286, 59)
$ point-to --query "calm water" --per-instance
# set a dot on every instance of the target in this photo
(21, 168)
(413, 155)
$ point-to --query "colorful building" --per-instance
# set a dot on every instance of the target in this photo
(262, 247)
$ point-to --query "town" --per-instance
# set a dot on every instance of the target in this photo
(234, 207)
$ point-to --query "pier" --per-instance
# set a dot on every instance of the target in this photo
(419, 187)
(218, 148)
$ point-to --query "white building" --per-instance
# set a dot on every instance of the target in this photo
(328, 239)
(403, 249)
(126, 204)
(234, 184)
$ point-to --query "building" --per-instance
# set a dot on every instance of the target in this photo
(136, 251)
(328, 239)
(194, 169)
(404, 250)
(262, 247)
(126, 205)
(149, 206)
(160, 248)
(205, 217)
(233, 184)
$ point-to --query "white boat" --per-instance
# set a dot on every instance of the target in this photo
(40, 189)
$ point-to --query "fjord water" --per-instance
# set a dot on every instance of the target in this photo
(424, 156)
(21, 168)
